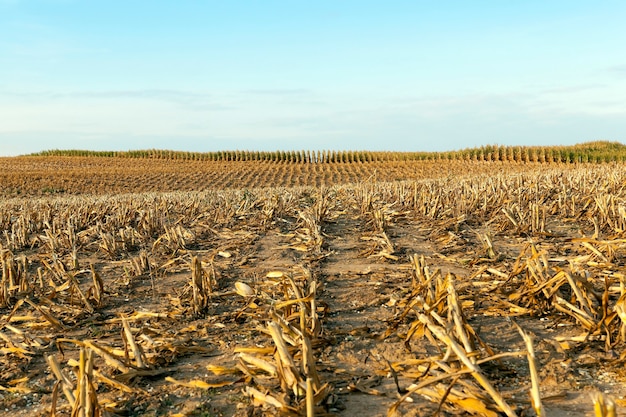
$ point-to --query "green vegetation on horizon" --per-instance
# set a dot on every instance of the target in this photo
(599, 151)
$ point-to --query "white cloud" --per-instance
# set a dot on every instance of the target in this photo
(618, 69)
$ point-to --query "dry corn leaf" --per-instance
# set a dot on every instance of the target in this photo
(259, 363)
(262, 399)
(14, 319)
(18, 381)
(141, 315)
(17, 351)
(222, 370)
(196, 383)
(116, 384)
(259, 350)
(19, 389)
(474, 406)
(300, 248)
(49, 317)
(565, 345)
(463, 400)
(287, 303)
(14, 329)
(498, 273)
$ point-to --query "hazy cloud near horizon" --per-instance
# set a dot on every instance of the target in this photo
(190, 122)
(403, 76)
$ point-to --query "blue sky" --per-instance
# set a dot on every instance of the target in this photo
(265, 75)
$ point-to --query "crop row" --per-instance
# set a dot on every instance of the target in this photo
(586, 152)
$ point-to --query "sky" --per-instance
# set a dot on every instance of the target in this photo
(266, 75)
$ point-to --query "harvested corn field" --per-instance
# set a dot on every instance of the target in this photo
(478, 288)
(79, 172)
(44, 176)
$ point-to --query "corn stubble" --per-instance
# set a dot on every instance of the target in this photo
(71, 265)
